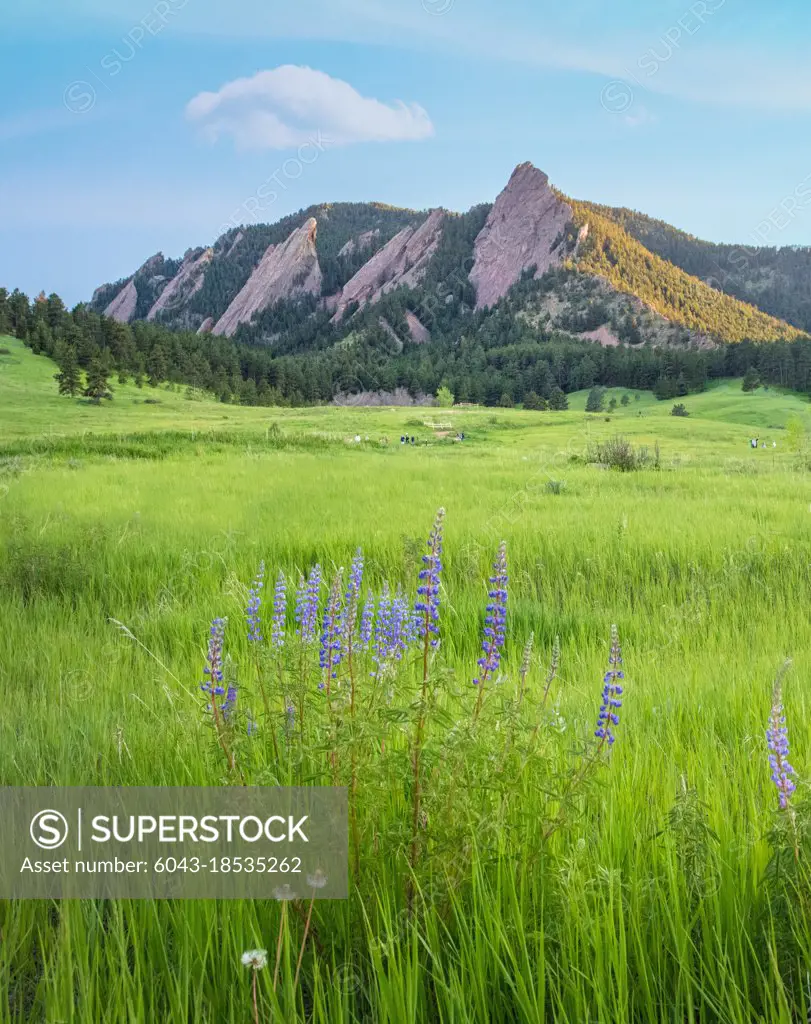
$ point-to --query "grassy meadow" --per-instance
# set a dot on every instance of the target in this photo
(553, 879)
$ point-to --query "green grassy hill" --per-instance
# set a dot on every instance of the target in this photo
(30, 407)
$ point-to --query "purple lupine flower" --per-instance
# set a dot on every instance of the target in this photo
(308, 598)
(367, 623)
(290, 716)
(777, 740)
(382, 629)
(212, 685)
(252, 727)
(402, 625)
(230, 702)
(353, 593)
(393, 629)
(495, 620)
(612, 692)
(279, 613)
(332, 632)
(252, 612)
(427, 604)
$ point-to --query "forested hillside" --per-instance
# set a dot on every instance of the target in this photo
(777, 280)
(611, 252)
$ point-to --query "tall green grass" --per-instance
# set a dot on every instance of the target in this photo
(654, 899)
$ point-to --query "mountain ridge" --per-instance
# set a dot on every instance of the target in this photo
(361, 254)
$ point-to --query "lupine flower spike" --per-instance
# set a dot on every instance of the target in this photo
(394, 630)
(612, 692)
(332, 634)
(212, 685)
(777, 740)
(353, 594)
(427, 604)
(307, 602)
(494, 625)
(367, 623)
(252, 612)
(279, 613)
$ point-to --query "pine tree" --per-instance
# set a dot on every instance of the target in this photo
(69, 376)
(97, 384)
(596, 400)
(558, 400)
(751, 382)
(532, 400)
(157, 365)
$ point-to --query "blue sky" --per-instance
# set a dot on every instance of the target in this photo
(140, 126)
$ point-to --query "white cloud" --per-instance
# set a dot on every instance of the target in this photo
(289, 106)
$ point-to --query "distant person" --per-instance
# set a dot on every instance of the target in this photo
(413, 441)
(402, 439)
(774, 444)
(754, 442)
(357, 438)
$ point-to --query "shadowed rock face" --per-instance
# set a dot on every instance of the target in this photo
(187, 281)
(521, 231)
(122, 308)
(418, 331)
(284, 271)
(402, 261)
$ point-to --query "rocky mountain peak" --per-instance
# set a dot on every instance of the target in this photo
(524, 229)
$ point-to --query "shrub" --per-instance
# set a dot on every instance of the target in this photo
(618, 453)
(679, 410)
(444, 398)
(555, 486)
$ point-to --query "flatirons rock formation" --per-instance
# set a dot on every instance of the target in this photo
(284, 271)
(402, 261)
(122, 308)
(523, 229)
(361, 252)
(187, 282)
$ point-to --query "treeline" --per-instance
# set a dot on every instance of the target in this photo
(499, 359)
